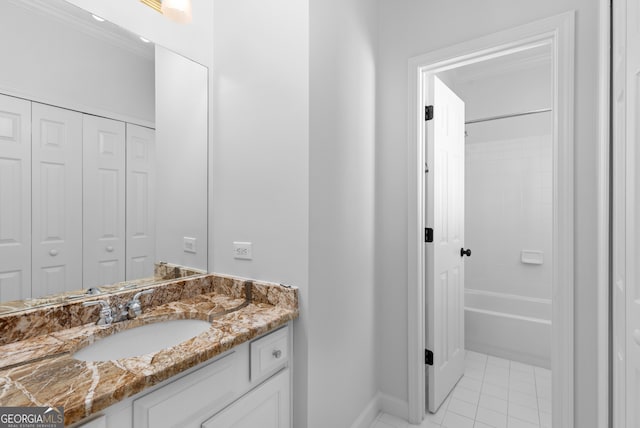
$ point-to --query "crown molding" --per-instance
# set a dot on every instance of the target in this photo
(81, 20)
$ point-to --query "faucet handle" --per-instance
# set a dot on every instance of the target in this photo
(140, 293)
(106, 313)
(134, 307)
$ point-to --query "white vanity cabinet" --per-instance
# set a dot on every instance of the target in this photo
(267, 406)
(227, 392)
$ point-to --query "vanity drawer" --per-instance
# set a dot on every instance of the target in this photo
(189, 400)
(269, 354)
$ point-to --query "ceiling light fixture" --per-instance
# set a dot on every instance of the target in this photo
(177, 10)
(97, 18)
(144, 40)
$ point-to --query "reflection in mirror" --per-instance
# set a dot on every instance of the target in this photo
(103, 149)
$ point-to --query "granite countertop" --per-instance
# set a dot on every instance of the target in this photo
(39, 370)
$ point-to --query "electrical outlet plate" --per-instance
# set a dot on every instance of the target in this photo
(242, 250)
(189, 245)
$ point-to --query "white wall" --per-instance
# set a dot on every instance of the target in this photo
(261, 153)
(181, 156)
(47, 60)
(412, 27)
(342, 375)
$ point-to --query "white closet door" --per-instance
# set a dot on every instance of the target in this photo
(57, 200)
(141, 201)
(15, 198)
(104, 201)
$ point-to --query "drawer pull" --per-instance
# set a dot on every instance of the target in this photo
(53, 253)
(276, 353)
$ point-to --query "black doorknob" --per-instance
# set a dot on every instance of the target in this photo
(464, 252)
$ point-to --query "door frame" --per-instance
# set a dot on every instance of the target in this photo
(559, 33)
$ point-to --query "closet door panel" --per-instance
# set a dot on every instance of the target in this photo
(57, 200)
(15, 198)
(141, 201)
(104, 201)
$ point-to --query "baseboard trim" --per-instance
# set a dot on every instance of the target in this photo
(381, 403)
(394, 406)
(369, 414)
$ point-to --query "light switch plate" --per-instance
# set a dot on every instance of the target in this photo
(242, 250)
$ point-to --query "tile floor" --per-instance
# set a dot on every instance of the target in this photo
(493, 393)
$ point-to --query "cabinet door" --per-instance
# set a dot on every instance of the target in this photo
(104, 201)
(15, 198)
(56, 199)
(141, 202)
(267, 406)
(188, 401)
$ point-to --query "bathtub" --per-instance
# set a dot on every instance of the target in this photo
(508, 326)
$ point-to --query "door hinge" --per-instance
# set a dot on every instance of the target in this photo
(428, 234)
(428, 113)
(428, 357)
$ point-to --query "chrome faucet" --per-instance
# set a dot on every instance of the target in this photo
(109, 315)
(134, 307)
(106, 313)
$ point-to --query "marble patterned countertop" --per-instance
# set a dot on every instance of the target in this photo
(39, 369)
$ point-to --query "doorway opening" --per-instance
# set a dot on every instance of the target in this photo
(517, 86)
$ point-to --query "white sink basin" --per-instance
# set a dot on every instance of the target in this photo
(142, 340)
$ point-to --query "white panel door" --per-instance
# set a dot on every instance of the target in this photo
(104, 201)
(633, 211)
(57, 199)
(141, 202)
(445, 214)
(267, 406)
(15, 198)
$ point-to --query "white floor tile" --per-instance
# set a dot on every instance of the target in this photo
(499, 362)
(496, 379)
(489, 417)
(470, 383)
(523, 399)
(524, 413)
(495, 390)
(474, 373)
(454, 420)
(496, 371)
(466, 395)
(544, 405)
(395, 422)
(524, 387)
(493, 403)
(471, 355)
(426, 424)
(379, 424)
(544, 391)
(517, 366)
(494, 393)
(542, 373)
(545, 419)
(517, 423)
(475, 364)
(463, 408)
(522, 376)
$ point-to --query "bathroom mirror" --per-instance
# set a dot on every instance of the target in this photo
(103, 157)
